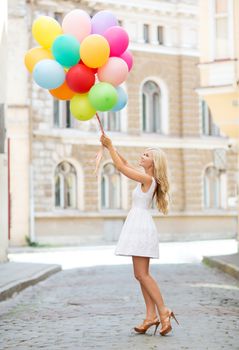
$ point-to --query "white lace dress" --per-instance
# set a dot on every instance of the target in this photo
(139, 235)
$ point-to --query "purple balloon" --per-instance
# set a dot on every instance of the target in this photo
(103, 20)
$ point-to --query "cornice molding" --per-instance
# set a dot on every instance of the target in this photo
(163, 7)
(78, 137)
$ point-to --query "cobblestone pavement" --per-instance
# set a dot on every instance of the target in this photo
(97, 307)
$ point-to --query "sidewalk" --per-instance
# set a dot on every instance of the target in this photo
(16, 276)
(226, 263)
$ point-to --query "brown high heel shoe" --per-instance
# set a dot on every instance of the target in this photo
(166, 325)
(147, 324)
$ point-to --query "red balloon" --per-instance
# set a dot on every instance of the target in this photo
(94, 70)
(80, 78)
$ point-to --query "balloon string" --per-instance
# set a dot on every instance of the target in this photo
(101, 126)
(100, 153)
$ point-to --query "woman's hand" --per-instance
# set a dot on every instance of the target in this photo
(106, 141)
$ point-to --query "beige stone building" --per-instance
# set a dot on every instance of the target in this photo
(56, 198)
(219, 66)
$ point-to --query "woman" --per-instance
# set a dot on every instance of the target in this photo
(139, 236)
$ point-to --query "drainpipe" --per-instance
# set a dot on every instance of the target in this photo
(237, 145)
(9, 186)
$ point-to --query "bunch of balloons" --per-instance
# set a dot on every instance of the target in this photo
(84, 60)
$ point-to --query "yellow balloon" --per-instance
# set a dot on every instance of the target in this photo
(94, 51)
(35, 55)
(81, 108)
(45, 29)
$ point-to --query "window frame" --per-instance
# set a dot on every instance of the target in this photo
(220, 195)
(208, 127)
(63, 187)
(164, 104)
(105, 116)
(147, 110)
(160, 35)
(146, 33)
(119, 201)
(63, 119)
(230, 54)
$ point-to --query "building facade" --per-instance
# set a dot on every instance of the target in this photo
(3, 141)
(65, 202)
(219, 67)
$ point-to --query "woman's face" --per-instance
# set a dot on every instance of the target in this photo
(146, 159)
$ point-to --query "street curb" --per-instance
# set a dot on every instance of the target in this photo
(226, 267)
(18, 286)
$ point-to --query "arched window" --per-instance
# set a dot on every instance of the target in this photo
(65, 186)
(151, 108)
(209, 128)
(214, 188)
(110, 187)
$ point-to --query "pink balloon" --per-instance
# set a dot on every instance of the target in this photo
(115, 71)
(128, 58)
(77, 23)
(118, 40)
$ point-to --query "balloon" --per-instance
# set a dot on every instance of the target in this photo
(118, 40)
(115, 71)
(103, 96)
(45, 29)
(128, 58)
(103, 20)
(48, 74)
(66, 50)
(35, 55)
(81, 108)
(94, 51)
(63, 92)
(94, 70)
(122, 99)
(77, 23)
(80, 78)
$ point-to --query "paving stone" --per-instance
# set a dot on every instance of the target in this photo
(97, 308)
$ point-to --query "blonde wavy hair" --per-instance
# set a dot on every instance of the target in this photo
(161, 176)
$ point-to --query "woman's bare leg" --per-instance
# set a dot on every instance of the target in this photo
(142, 274)
(151, 312)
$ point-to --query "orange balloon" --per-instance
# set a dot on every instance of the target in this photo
(63, 92)
(94, 51)
(34, 55)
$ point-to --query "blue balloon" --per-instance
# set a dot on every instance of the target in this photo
(48, 74)
(122, 99)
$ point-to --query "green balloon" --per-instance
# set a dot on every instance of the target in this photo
(66, 50)
(81, 108)
(103, 96)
